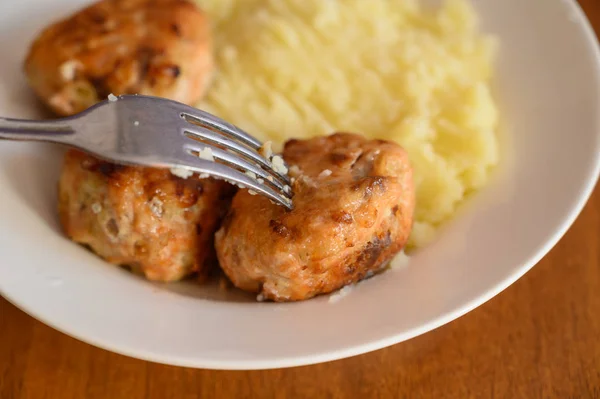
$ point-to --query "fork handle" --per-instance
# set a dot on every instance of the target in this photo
(22, 129)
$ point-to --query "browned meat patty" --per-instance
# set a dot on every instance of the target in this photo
(153, 47)
(148, 219)
(353, 211)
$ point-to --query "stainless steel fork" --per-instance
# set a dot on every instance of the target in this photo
(155, 132)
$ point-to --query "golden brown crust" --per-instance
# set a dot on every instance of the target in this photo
(144, 218)
(152, 47)
(353, 211)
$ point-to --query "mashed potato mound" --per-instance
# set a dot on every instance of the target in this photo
(389, 69)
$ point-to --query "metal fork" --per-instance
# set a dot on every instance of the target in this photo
(155, 132)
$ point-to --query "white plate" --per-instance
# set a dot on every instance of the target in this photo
(548, 86)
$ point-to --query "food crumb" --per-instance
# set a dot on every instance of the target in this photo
(251, 174)
(136, 123)
(279, 165)
(68, 69)
(156, 206)
(333, 298)
(266, 150)
(307, 180)
(294, 170)
(252, 192)
(400, 261)
(112, 97)
(96, 208)
(206, 154)
(260, 298)
(181, 172)
(325, 173)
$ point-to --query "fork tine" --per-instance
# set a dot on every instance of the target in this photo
(227, 173)
(202, 118)
(215, 138)
(239, 162)
(236, 152)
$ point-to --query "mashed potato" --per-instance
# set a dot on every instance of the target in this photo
(386, 68)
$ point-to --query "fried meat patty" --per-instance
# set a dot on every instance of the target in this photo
(353, 211)
(153, 47)
(148, 219)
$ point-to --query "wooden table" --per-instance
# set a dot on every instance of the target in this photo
(538, 339)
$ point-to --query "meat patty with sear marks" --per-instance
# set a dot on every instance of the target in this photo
(353, 211)
(153, 47)
(147, 219)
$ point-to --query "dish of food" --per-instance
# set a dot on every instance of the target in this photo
(161, 223)
(417, 97)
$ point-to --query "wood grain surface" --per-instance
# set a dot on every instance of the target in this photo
(538, 339)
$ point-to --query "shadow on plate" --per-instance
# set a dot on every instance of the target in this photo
(210, 291)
